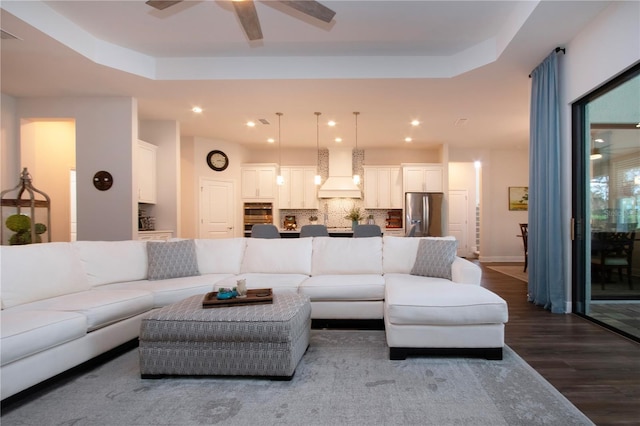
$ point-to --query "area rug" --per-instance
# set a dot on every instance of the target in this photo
(513, 271)
(345, 378)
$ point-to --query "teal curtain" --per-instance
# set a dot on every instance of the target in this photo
(546, 247)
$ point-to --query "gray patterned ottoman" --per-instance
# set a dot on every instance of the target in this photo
(254, 340)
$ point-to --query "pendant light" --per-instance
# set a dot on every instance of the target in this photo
(356, 176)
(317, 179)
(279, 178)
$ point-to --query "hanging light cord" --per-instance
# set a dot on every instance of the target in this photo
(356, 114)
(318, 138)
(279, 114)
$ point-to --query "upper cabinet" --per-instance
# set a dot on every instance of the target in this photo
(299, 190)
(258, 181)
(423, 178)
(382, 187)
(147, 174)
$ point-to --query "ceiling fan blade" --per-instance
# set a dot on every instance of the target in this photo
(162, 4)
(312, 8)
(246, 11)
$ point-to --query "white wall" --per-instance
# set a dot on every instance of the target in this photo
(165, 134)
(9, 147)
(499, 225)
(237, 156)
(48, 151)
(106, 131)
(606, 47)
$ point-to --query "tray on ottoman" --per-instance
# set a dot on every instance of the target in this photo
(256, 296)
(253, 340)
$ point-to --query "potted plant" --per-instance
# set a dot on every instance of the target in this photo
(354, 215)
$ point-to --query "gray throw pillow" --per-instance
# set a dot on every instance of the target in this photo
(434, 258)
(172, 259)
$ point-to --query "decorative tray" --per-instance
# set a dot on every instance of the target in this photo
(257, 296)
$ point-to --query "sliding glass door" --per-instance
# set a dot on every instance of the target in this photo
(606, 204)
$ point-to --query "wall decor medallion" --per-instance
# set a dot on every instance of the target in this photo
(102, 180)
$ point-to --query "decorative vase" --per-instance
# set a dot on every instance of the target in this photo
(354, 223)
(242, 288)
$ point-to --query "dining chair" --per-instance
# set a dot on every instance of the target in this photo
(361, 231)
(264, 231)
(524, 233)
(612, 250)
(313, 231)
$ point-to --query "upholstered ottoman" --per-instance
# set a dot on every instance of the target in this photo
(435, 316)
(255, 340)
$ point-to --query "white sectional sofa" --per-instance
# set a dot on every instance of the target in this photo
(66, 303)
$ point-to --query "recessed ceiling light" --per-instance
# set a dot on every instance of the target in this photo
(599, 140)
(331, 123)
(196, 109)
(415, 123)
(251, 124)
(408, 139)
(271, 140)
(338, 140)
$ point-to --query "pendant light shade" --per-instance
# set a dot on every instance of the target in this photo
(356, 176)
(317, 179)
(279, 178)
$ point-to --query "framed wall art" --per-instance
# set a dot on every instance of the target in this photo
(519, 198)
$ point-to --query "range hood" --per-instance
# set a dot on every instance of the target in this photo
(340, 184)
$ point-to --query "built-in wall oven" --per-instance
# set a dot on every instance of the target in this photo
(256, 213)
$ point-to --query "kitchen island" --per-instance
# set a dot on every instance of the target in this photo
(333, 232)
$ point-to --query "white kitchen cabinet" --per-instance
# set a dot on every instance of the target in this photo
(382, 187)
(299, 190)
(147, 172)
(258, 181)
(423, 178)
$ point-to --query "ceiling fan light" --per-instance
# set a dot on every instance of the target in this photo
(595, 154)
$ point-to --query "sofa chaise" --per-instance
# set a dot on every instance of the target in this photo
(66, 303)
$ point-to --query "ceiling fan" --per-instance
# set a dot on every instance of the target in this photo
(246, 11)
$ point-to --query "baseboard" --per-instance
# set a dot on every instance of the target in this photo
(508, 259)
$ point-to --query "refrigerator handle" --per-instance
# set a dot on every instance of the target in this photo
(425, 216)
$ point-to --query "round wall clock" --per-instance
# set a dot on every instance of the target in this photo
(217, 160)
(102, 180)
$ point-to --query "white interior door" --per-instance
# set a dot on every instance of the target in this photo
(216, 209)
(459, 219)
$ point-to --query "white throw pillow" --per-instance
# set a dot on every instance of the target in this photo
(277, 256)
(220, 256)
(172, 259)
(40, 271)
(107, 262)
(434, 258)
(338, 255)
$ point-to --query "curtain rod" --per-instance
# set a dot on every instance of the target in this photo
(557, 49)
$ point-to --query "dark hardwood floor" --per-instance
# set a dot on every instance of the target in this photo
(595, 368)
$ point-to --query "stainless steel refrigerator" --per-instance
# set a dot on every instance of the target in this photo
(423, 210)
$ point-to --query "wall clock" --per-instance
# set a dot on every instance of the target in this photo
(217, 160)
(102, 180)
